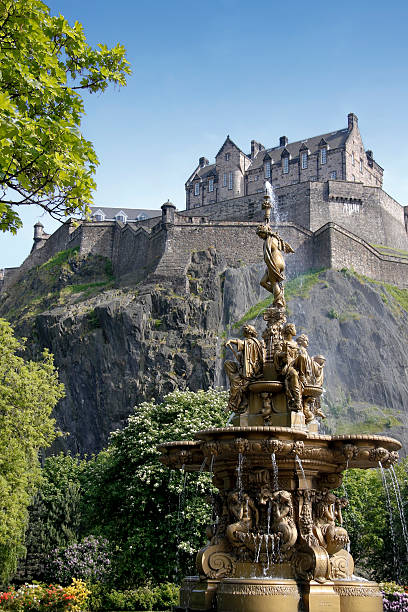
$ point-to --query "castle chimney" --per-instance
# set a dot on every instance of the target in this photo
(352, 121)
(255, 148)
(283, 141)
(168, 213)
(203, 162)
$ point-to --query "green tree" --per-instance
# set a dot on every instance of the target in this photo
(55, 512)
(28, 393)
(45, 64)
(377, 550)
(154, 516)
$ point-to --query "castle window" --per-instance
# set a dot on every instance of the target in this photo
(196, 189)
(211, 184)
(361, 165)
(333, 175)
(98, 216)
(227, 156)
(352, 159)
(121, 218)
(303, 159)
(229, 180)
(323, 156)
(224, 181)
(268, 169)
(285, 162)
(353, 177)
(141, 217)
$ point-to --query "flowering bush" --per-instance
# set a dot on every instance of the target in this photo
(88, 560)
(39, 598)
(395, 597)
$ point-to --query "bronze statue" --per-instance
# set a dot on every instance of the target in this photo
(283, 518)
(243, 510)
(318, 363)
(303, 362)
(249, 365)
(284, 363)
(328, 511)
(274, 275)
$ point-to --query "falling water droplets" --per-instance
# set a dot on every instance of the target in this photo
(389, 507)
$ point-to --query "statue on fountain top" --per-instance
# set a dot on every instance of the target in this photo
(274, 275)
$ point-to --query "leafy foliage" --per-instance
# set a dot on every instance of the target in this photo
(45, 63)
(28, 392)
(155, 517)
(55, 513)
(379, 551)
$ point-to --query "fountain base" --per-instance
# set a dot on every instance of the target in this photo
(283, 594)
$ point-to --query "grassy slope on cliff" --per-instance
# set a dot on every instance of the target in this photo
(68, 277)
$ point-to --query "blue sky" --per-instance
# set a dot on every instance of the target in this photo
(251, 70)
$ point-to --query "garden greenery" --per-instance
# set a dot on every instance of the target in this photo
(29, 391)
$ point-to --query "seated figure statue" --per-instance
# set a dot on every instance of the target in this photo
(328, 511)
(284, 361)
(249, 366)
(303, 361)
(245, 515)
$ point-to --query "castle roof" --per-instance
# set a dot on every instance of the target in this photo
(334, 140)
(132, 214)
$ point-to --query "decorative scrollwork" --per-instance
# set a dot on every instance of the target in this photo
(341, 565)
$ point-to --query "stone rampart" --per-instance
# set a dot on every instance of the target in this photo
(334, 224)
(342, 249)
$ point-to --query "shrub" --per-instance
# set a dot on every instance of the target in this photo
(166, 596)
(138, 599)
(88, 560)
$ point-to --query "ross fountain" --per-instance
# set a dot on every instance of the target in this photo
(278, 540)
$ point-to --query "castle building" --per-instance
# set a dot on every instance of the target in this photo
(338, 155)
(328, 204)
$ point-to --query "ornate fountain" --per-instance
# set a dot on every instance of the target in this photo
(277, 541)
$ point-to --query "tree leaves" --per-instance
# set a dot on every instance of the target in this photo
(28, 392)
(44, 64)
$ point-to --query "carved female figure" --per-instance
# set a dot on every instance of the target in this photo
(328, 510)
(285, 365)
(275, 264)
(245, 513)
(282, 519)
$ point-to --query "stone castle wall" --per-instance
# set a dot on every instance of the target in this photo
(333, 224)
(366, 211)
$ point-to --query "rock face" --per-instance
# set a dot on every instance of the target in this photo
(116, 346)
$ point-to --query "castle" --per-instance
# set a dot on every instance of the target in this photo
(329, 205)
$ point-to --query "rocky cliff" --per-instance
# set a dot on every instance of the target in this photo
(117, 345)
